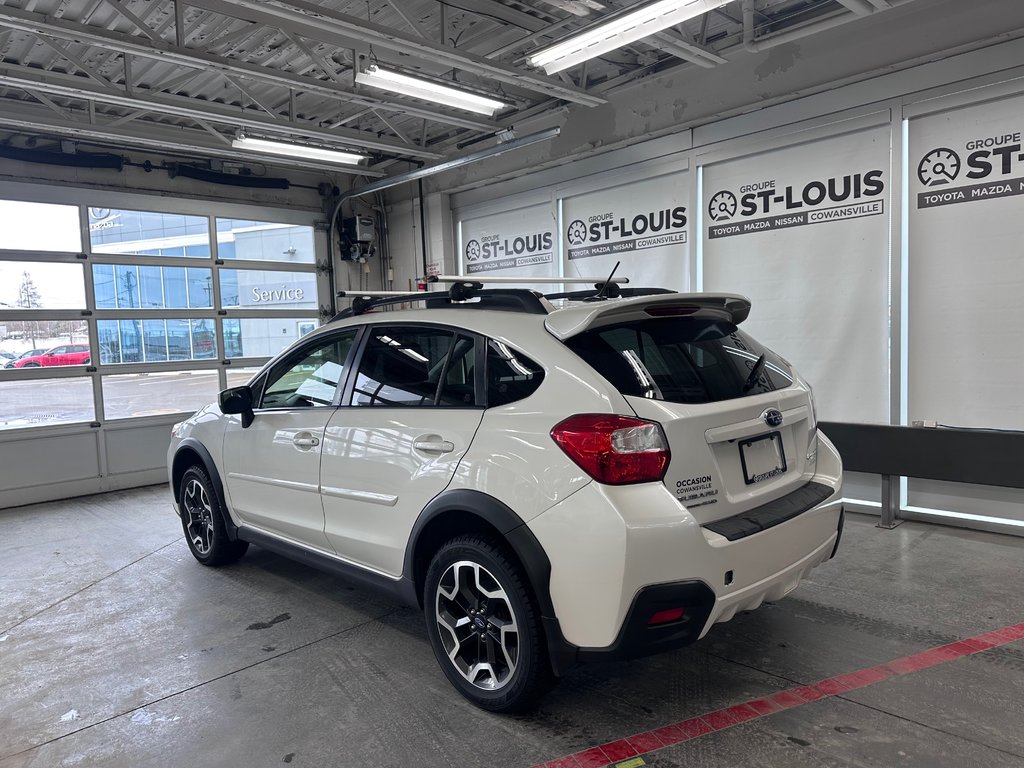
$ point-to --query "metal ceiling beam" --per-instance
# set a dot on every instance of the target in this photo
(320, 23)
(50, 26)
(22, 116)
(75, 87)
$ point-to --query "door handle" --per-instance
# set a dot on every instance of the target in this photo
(433, 444)
(305, 440)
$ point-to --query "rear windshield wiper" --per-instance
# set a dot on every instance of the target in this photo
(755, 374)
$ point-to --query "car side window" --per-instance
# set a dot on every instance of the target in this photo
(511, 375)
(459, 387)
(402, 366)
(59, 351)
(310, 378)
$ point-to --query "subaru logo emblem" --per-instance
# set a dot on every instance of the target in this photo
(772, 417)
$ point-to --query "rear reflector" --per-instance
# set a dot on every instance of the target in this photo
(615, 450)
(667, 616)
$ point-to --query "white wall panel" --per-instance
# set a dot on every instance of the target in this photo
(643, 224)
(804, 232)
(966, 317)
(513, 242)
(137, 448)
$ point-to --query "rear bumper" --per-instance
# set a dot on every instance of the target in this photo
(617, 551)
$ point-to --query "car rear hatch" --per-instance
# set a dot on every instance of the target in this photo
(740, 427)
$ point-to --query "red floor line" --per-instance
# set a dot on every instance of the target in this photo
(695, 727)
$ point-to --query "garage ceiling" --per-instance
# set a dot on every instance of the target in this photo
(186, 77)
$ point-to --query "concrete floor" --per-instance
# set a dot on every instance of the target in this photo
(117, 649)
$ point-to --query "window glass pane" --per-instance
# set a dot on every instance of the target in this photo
(151, 287)
(135, 287)
(175, 292)
(257, 289)
(49, 401)
(401, 367)
(312, 378)
(31, 285)
(682, 360)
(149, 234)
(264, 241)
(146, 341)
(200, 288)
(151, 394)
(154, 340)
(44, 344)
(103, 286)
(511, 375)
(179, 339)
(263, 337)
(459, 381)
(126, 286)
(40, 226)
(239, 376)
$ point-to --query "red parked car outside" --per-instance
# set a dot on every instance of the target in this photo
(69, 354)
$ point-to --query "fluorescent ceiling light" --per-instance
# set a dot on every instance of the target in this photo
(296, 150)
(618, 31)
(396, 82)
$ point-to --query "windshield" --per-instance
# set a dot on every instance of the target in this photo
(681, 360)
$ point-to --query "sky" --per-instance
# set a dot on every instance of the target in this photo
(41, 227)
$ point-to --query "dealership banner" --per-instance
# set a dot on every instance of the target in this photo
(804, 232)
(966, 271)
(519, 242)
(644, 225)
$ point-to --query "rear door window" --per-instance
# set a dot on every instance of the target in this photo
(682, 360)
(402, 366)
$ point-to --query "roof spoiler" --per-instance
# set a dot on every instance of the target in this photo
(570, 321)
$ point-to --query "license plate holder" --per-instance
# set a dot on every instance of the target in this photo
(762, 457)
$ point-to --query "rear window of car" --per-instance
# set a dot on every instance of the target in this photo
(681, 360)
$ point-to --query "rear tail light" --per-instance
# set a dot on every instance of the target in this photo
(615, 450)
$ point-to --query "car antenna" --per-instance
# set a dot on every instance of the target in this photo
(604, 286)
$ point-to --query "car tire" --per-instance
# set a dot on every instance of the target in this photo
(484, 626)
(202, 520)
(31, 365)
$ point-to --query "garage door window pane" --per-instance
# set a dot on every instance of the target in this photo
(259, 289)
(263, 337)
(148, 234)
(148, 341)
(40, 226)
(31, 285)
(153, 394)
(46, 402)
(134, 287)
(264, 241)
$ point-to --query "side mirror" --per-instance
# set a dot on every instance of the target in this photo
(238, 400)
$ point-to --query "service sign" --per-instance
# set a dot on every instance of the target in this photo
(802, 230)
(519, 242)
(644, 225)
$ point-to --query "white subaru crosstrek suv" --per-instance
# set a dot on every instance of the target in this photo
(552, 480)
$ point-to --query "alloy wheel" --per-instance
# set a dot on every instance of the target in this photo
(477, 625)
(199, 517)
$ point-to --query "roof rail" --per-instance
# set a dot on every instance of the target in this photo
(613, 292)
(508, 299)
(519, 280)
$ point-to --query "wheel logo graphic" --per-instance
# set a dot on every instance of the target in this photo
(473, 250)
(938, 167)
(722, 206)
(577, 233)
